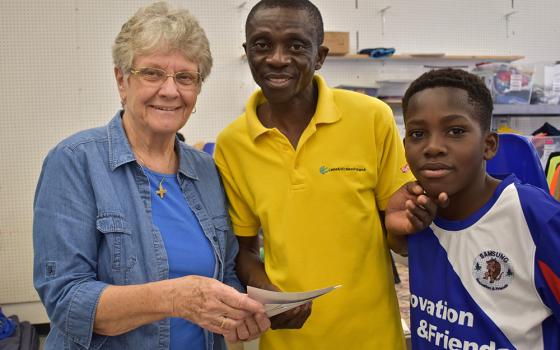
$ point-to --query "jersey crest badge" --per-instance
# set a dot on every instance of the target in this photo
(492, 270)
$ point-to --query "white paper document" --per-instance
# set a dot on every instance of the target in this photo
(277, 302)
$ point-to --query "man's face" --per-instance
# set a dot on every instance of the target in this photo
(283, 53)
(444, 143)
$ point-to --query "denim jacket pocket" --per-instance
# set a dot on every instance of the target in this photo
(117, 233)
(221, 230)
(222, 227)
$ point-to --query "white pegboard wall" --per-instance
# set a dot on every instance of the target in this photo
(535, 30)
(35, 77)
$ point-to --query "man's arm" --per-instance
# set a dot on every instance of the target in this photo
(251, 272)
(397, 243)
(249, 267)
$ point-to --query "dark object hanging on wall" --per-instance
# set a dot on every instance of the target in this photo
(547, 129)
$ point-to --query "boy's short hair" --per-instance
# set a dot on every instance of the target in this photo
(479, 95)
(312, 11)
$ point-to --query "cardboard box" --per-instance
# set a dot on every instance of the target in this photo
(337, 42)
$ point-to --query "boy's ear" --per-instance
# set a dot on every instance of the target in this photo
(490, 145)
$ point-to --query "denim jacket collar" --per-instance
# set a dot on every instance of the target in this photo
(121, 153)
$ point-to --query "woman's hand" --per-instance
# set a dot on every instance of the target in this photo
(252, 328)
(215, 306)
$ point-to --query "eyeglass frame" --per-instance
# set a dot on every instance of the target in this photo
(138, 71)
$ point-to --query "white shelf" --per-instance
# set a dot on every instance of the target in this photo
(427, 57)
(526, 110)
(32, 311)
(510, 110)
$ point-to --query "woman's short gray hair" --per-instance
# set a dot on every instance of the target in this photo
(159, 27)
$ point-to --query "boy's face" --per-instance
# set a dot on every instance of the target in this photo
(445, 146)
(283, 52)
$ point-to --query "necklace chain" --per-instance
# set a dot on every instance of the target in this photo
(161, 191)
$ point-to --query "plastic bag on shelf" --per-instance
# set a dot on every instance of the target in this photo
(552, 84)
(509, 84)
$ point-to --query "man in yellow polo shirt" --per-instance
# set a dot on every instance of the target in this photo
(312, 167)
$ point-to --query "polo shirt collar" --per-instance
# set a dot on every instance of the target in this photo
(325, 113)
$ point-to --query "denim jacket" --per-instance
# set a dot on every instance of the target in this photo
(93, 228)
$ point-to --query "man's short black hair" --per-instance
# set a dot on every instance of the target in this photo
(479, 95)
(312, 11)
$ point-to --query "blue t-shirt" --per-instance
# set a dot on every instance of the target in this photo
(490, 281)
(189, 252)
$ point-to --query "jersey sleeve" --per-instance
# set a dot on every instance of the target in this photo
(548, 263)
(543, 218)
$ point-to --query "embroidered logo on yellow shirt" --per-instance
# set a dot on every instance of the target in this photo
(325, 169)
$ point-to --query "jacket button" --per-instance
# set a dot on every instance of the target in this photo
(198, 207)
(215, 238)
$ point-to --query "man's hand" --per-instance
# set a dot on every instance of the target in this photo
(292, 319)
(410, 210)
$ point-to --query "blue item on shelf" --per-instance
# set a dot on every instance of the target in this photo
(378, 52)
(366, 90)
(517, 155)
(7, 326)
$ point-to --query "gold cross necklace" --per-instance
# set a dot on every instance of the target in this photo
(161, 190)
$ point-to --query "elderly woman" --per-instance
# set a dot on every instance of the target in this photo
(133, 246)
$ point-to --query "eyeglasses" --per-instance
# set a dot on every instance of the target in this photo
(186, 80)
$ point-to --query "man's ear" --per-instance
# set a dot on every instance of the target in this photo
(321, 55)
(491, 143)
(245, 48)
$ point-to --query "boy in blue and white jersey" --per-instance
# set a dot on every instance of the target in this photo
(485, 274)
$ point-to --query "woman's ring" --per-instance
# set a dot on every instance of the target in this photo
(224, 319)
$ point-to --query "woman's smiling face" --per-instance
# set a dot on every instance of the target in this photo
(162, 109)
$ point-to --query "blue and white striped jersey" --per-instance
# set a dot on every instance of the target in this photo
(491, 281)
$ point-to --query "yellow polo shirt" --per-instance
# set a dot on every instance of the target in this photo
(318, 208)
